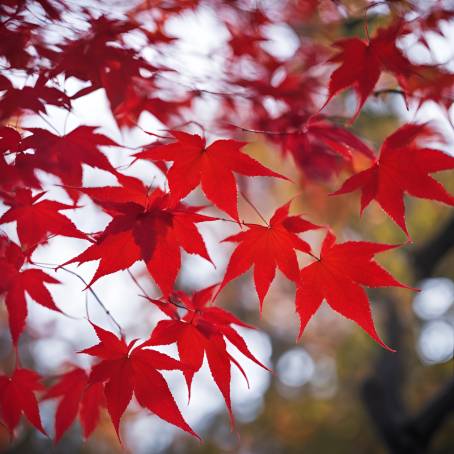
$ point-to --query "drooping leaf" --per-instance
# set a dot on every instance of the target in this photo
(76, 398)
(203, 331)
(17, 282)
(17, 397)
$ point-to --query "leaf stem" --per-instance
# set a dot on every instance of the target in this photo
(313, 256)
(148, 297)
(52, 266)
(269, 133)
(48, 123)
(254, 208)
(138, 284)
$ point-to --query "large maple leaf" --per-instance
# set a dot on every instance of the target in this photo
(402, 167)
(212, 167)
(203, 331)
(338, 277)
(130, 369)
(63, 156)
(76, 397)
(362, 62)
(15, 283)
(267, 248)
(17, 397)
(36, 218)
(146, 226)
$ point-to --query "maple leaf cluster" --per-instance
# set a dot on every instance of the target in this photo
(284, 99)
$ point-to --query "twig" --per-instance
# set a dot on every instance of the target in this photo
(313, 256)
(49, 123)
(137, 283)
(254, 208)
(51, 266)
(269, 133)
(396, 91)
(232, 221)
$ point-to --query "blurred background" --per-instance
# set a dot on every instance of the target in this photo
(335, 390)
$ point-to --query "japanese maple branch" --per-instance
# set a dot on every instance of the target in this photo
(51, 266)
(269, 133)
(48, 123)
(396, 91)
(293, 132)
(245, 197)
(138, 284)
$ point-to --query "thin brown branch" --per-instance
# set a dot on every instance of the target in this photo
(137, 283)
(56, 267)
(245, 197)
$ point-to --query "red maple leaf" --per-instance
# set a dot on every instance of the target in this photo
(403, 166)
(63, 156)
(19, 171)
(96, 59)
(16, 42)
(130, 369)
(137, 99)
(319, 132)
(92, 56)
(429, 23)
(246, 42)
(10, 140)
(37, 219)
(17, 397)
(267, 248)
(212, 167)
(16, 282)
(319, 147)
(146, 226)
(76, 397)
(432, 83)
(338, 277)
(203, 331)
(362, 62)
(33, 99)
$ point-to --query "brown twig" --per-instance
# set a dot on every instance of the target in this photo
(52, 266)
